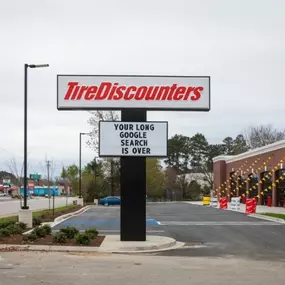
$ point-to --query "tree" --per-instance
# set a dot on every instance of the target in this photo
(178, 153)
(191, 189)
(262, 135)
(96, 117)
(155, 178)
(94, 180)
(94, 120)
(111, 168)
(7, 175)
(240, 145)
(198, 150)
(13, 167)
(71, 174)
(235, 146)
(229, 145)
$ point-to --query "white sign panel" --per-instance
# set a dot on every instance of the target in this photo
(84, 92)
(147, 139)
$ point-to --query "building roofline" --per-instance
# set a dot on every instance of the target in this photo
(250, 153)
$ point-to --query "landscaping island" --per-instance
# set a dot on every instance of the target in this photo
(15, 233)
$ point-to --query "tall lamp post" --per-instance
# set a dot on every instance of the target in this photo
(26, 66)
(80, 180)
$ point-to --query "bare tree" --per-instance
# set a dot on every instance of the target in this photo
(258, 136)
(13, 167)
(93, 121)
(93, 142)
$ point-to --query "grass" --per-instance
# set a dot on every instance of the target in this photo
(275, 215)
(38, 214)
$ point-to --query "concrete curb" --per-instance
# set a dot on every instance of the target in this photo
(169, 245)
(62, 218)
(267, 218)
(134, 248)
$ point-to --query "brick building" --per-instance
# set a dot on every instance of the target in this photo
(258, 173)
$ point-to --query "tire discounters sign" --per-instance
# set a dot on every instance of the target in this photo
(83, 92)
(133, 139)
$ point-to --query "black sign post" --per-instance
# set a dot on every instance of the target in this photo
(133, 187)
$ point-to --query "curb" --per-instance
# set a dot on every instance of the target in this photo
(127, 250)
(176, 246)
(130, 249)
(267, 218)
(62, 218)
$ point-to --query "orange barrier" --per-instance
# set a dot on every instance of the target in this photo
(250, 206)
(223, 203)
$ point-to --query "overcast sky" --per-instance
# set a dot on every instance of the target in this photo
(239, 43)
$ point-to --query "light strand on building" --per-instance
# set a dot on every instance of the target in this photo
(239, 169)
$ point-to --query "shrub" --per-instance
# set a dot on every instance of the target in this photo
(40, 232)
(30, 237)
(70, 232)
(83, 239)
(23, 226)
(36, 222)
(93, 233)
(14, 229)
(59, 237)
(4, 233)
(5, 224)
(47, 229)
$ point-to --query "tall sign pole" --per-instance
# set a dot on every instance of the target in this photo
(133, 187)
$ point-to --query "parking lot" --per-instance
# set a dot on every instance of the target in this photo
(205, 231)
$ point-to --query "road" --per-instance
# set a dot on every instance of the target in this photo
(31, 268)
(207, 232)
(10, 208)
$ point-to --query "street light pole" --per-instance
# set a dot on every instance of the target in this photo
(80, 166)
(26, 66)
(80, 179)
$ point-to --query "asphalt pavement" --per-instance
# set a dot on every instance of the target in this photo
(207, 232)
(12, 207)
(63, 268)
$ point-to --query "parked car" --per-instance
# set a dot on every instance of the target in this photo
(110, 200)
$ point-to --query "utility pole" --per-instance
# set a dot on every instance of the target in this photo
(48, 167)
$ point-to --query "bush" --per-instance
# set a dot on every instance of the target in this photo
(4, 233)
(59, 237)
(83, 239)
(47, 229)
(40, 232)
(70, 232)
(30, 237)
(14, 229)
(93, 233)
(23, 226)
(5, 224)
(36, 222)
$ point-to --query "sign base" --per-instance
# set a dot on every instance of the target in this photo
(133, 188)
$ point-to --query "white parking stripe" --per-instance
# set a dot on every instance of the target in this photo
(216, 223)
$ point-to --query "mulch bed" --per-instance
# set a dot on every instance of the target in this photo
(18, 240)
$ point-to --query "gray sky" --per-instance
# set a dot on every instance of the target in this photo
(239, 43)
